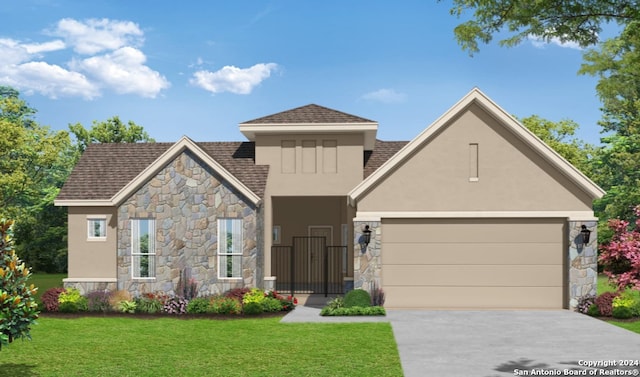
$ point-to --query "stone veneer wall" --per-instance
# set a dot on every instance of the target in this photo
(186, 198)
(367, 266)
(583, 262)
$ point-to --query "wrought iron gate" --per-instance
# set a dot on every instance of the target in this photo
(309, 266)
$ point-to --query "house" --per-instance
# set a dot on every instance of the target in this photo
(475, 212)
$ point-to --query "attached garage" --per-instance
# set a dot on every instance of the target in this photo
(474, 263)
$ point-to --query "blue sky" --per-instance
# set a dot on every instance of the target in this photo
(199, 68)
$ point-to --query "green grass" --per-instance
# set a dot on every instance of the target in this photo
(107, 346)
(46, 281)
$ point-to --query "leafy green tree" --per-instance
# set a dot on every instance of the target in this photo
(110, 131)
(18, 308)
(560, 137)
(578, 21)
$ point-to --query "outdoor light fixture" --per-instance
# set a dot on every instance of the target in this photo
(585, 234)
(365, 239)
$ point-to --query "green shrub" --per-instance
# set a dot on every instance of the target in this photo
(622, 312)
(72, 296)
(335, 303)
(256, 295)
(127, 306)
(353, 311)
(271, 304)
(198, 305)
(225, 305)
(68, 307)
(357, 297)
(252, 308)
(593, 311)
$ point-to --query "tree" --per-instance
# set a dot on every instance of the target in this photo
(621, 255)
(110, 131)
(577, 21)
(560, 137)
(18, 308)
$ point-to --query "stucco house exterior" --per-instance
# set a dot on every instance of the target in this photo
(475, 212)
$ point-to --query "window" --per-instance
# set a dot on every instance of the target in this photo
(230, 248)
(143, 251)
(97, 228)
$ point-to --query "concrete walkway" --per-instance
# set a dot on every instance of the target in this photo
(498, 343)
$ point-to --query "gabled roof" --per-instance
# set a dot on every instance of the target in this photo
(108, 173)
(311, 119)
(504, 118)
(309, 114)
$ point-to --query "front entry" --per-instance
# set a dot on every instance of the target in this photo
(310, 265)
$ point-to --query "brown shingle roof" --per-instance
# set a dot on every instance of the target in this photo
(309, 114)
(383, 151)
(104, 169)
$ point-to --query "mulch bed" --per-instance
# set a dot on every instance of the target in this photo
(217, 317)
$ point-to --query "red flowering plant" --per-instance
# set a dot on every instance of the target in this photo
(621, 256)
(288, 303)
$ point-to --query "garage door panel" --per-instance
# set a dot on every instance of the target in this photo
(465, 253)
(476, 275)
(473, 297)
(472, 231)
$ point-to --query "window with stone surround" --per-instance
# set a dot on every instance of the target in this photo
(143, 251)
(97, 228)
(230, 248)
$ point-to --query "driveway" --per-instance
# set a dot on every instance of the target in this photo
(508, 343)
(492, 343)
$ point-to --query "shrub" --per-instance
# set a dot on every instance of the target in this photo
(584, 303)
(237, 293)
(620, 257)
(98, 301)
(622, 312)
(225, 305)
(175, 305)
(357, 297)
(335, 303)
(198, 305)
(377, 295)
(288, 303)
(68, 307)
(127, 306)
(593, 311)
(605, 303)
(255, 295)
(252, 307)
(117, 297)
(50, 299)
(150, 303)
(72, 296)
(272, 304)
(353, 311)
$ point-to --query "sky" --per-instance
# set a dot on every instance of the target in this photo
(200, 68)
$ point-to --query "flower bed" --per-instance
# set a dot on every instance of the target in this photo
(236, 303)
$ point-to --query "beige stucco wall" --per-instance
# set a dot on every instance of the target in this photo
(511, 175)
(337, 179)
(93, 259)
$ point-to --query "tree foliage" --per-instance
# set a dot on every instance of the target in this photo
(18, 308)
(110, 131)
(578, 21)
(560, 137)
(621, 255)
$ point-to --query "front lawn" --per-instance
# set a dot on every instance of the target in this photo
(114, 346)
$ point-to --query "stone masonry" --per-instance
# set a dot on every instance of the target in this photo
(367, 264)
(583, 262)
(186, 198)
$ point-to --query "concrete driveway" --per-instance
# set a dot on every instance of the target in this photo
(509, 343)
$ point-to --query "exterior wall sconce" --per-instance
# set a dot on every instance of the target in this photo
(365, 239)
(585, 234)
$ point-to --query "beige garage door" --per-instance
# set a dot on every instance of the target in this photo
(476, 263)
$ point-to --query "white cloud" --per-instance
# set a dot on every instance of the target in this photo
(541, 43)
(124, 72)
(233, 79)
(121, 65)
(93, 36)
(385, 96)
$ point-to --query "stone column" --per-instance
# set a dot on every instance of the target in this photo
(583, 262)
(367, 261)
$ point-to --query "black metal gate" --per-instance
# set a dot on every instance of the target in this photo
(309, 266)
